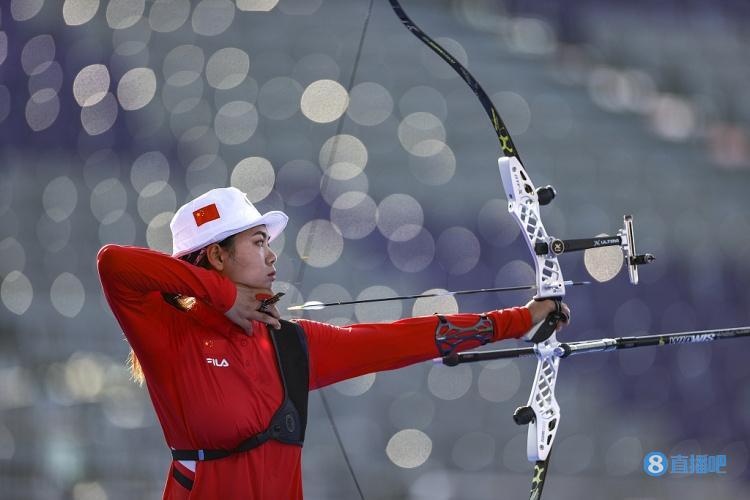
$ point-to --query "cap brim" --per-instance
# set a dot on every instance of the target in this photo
(275, 221)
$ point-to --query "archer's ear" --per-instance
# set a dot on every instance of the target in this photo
(215, 256)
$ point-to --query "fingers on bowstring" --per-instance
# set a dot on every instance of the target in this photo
(272, 321)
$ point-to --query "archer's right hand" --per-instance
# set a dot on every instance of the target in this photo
(246, 308)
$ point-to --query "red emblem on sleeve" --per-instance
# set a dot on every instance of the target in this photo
(206, 214)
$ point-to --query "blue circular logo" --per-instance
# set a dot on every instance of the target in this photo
(655, 464)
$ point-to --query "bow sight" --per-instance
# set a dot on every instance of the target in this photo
(520, 191)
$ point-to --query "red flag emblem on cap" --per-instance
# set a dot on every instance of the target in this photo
(206, 214)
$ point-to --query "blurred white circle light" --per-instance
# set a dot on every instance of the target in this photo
(158, 235)
(449, 383)
(38, 54)
(354, 214)
(343, 157)
(16, 292)
(422, 134)
(23, 10)
(673, 118)
(256, 5)
(7, 443)
(3, 46)
(255, 176)
(377, 312)
(458, 250)
(331, 188)
(356, 386)
(236, 122)
(227, 68)
(151, 166)
(423, 98)
(60, 198)
(89, 491)
(91, 84)
(84, 376)
(409, 448)
(299, 182)
(123, 14)
(53, 236)
(108, 200)
(206, 172)
(67, 295)
(434, 170)
(499, 381)
(156, 198)
(515, 110)
(42, 109)
(51, 78)
(495, 225)
(168, 15)
(133, 41)
(183, 65)
(413, 254)
(279, 98)
(4, 103)
(77, 12)
(136, 88)
(121, 231)
(319, 243)
(400, 217)
(532, 36)
(212, 17)
(324, 101)
(100, 117)
(444, 304)
(12, 256)
(369, 104)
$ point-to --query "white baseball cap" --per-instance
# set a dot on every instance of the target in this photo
(216, 215)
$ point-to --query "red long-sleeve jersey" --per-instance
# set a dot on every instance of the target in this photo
(213, 386)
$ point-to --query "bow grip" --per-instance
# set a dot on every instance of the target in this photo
(546, 328)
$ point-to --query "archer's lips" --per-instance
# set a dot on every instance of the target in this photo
(272, 275)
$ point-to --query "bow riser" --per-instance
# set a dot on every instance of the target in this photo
(523, 204)
(543, 428)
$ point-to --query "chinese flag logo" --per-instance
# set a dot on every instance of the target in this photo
(206, 214)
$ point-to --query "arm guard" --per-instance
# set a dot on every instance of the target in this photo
(449, 336)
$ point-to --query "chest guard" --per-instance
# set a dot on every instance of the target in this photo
(289, 422)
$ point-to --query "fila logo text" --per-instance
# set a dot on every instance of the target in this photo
(215, 362)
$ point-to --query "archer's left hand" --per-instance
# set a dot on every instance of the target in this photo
(540, 309)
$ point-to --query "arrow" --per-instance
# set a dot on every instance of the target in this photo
(315, 305)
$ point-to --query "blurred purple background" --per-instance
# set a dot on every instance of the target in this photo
(114, 113)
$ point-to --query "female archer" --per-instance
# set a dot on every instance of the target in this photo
(227, 376)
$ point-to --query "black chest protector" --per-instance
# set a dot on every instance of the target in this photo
(289, 422)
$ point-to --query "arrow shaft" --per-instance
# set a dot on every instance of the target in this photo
(426, 295)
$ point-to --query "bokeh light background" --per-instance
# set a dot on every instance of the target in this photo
(113, 113)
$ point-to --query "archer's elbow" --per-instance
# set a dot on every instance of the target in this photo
(108, 259)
